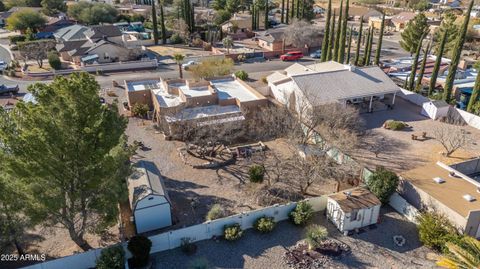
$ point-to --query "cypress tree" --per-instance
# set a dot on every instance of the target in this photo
(303, 9)
(282, 17)
(438, 62)
(457, 51)
(293, 9)
(380, 39)
(475, 94)
(287, 13)
(326, 32)
(405, 84)
(343, 35)
(338, 33)
(254, 21)
(154, 22)
(422, 67)
(366, 57)
(413, 73)
(349, 45)
(332, 38)
(359, 41)
(162, 25)
(266, 15)
(297, 12)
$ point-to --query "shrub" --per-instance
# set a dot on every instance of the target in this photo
(232, 232)
(16, 39)
(264, 80)
(383, 183)
(215, 212)
(256, 173)
(139, 246)
(207, 47)
(197, 42)
(241, 75)
(264, 224)
(395, 125)
(140, 110)
(176, 39)
(315, 235)
(241, 58)
(187, 246)
(54, 60)
(435, 230)
(111, 258)
(302, 213)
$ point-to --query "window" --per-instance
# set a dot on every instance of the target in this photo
(353, 215)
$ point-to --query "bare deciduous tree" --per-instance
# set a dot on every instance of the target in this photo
(36, 50)
(451, 137)
(301, 33)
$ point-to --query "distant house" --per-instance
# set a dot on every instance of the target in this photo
(149, 200)
(96, 44)
(240, 24)
(53, 25)
(353, 209)
(400, 20)
(272, 39)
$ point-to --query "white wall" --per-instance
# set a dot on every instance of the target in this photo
(403, 207)
(469, 118)
(152, 218)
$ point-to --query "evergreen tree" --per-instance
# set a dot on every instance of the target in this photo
(422, 67)
(368, 47)
(297, 11)
(343, 35)
(447, 25)
(332, 38)
(252, 12)
(413, 72)
(438, 62)
(154, 22)
(457, 51)
(380, 40)
(474, 99)
(326, 35)
(349, 45)
(293, 10)
(162, 24)
(266, 15)
(336, 45)
(282, 16)
(412, 33)
(287, 12)
(359, 43)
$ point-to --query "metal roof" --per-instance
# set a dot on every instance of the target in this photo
(145, 180)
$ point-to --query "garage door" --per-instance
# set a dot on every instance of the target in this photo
(152, 218)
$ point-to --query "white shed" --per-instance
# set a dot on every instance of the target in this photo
(353, 209)
(149, 200)
(435, 109)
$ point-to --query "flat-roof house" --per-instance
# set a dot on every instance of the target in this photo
(353, 209)
(400, 20)
(149, 200)
(303, 86)
(449, 190)
(207, 102)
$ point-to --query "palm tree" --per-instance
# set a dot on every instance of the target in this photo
(179, 60)
(227, 43)
(462, 255)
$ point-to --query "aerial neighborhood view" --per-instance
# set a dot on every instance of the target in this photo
(260, 134)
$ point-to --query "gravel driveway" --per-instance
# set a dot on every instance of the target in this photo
(370, 249)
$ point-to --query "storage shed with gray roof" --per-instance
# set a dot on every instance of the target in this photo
(149, 201)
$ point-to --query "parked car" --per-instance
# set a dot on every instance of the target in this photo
(3, 65)
(188, 64)
(291, 56)
(8, 89)
(316, 54)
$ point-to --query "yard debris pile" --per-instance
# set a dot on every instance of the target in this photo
(300, 257)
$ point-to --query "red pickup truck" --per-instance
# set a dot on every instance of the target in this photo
(291, 56)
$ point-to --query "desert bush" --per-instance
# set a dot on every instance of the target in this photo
(54, 60)
(315, 235)
(197, 42)
(232, 232)
(264, 224)
(256, 173)
(264, 80)
(140, 110)
(241, 75)
(207, 47)
(302, 213)
(16, 39)
(216, 212)
(435, 230)
(139, 246)
(395, 125)
(383, 184)
(176, 39)
(212, 68)
(187, 246)
(111, 258)
(241, 58)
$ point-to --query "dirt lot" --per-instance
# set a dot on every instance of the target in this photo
(194, 191)
(401, 153)
(369, 249)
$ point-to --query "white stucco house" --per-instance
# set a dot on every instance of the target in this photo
(353, 209)
(149, 201)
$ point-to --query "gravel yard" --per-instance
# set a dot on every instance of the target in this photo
(370, 249)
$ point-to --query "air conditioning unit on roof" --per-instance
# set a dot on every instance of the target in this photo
(469, 198)
(438, 180)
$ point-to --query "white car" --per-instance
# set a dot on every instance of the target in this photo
(188, 64)
(3, 65)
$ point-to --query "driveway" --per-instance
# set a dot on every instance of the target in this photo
(370, 249)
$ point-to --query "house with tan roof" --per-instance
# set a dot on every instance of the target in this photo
(400, 20)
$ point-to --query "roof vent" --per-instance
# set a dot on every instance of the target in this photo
(348, 193)
(469, 198)
(438, 180)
